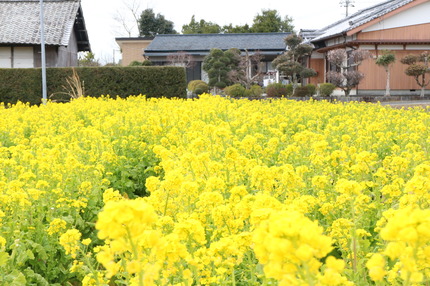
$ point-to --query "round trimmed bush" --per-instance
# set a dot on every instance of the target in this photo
(198, 87)
(255, 90)
(276, 90)
(312, 89)
(235, 90)
(326, 89)
(301, 91)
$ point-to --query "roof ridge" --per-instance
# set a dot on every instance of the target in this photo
(220, 34)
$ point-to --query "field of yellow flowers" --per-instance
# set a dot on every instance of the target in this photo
(214, 191)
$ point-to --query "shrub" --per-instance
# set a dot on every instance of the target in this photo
(312, 89)
(235, 90)
(201, 88)
(192, 84)
(289, 89)
(139, 64)
(255, 90)
(25, 84)
(198, 87)
(301, 91)
(326, 89)
(276, 90)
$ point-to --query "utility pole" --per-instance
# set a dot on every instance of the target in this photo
(43, 56)
(347, 4)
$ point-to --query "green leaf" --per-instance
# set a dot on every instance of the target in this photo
(17, 278)
(30, 254)
(4, 256)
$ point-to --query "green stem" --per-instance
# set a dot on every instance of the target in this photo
(135, 253)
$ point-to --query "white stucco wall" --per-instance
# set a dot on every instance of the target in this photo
(413, 16)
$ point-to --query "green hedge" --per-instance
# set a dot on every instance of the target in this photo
(25, 85)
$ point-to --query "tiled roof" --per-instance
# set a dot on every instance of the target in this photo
(359, 18)
(205, 42)
(20, 21)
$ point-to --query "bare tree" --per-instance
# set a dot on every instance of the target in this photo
(128, 17)
(182, 59)
(248, 70)
(346, 76)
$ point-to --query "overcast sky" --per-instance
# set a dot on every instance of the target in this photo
(102, 27)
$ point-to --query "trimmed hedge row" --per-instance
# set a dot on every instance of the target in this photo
(25, 85)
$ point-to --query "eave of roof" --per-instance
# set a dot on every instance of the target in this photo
(81, 32)
(206, 52)
(131, 39)
(357, 43)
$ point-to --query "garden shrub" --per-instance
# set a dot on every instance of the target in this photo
(235, 90)
(140, 64)
(276, 90)
(198, 87)
(254, 91)
(201, 88)
(326, 89)
(289, 89)
(192, 84)
(312, 89)
(25, 84)
(301, 91)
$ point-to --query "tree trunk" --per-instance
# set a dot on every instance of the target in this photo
(422, 91)
(347, 91)
(387, 87)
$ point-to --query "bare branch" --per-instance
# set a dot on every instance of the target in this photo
(128, 17)
(182, 59)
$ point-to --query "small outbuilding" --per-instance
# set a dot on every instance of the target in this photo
(20, 43)
(268, 45)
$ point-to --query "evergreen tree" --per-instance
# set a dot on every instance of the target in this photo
(289, 63)
(386, 60)
(218, 64)
(151, 25)
(269, 21)
(418, 68)
(200, 27)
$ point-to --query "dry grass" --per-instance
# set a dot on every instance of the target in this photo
(75, 88)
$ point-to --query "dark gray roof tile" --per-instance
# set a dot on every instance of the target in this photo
(205, 42)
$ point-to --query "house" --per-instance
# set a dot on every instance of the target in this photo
(65, 33)
(401, 26)
(133, 48)
(269, 45)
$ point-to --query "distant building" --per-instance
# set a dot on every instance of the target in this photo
(132, 49)
(269, 45)
(65, 33)
(402, 26)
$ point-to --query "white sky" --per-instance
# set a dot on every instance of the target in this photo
(103, 28)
